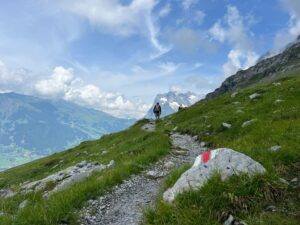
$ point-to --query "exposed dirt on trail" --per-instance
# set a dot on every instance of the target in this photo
(125, 204)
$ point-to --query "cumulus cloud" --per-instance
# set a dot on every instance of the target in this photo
(14, 79)
(283, 37)
(234, 30)
(65, 85)
(114, 17)
(58, 84)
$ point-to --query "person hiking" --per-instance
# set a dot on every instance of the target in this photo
(157, 111)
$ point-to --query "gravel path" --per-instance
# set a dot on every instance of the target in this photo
(125, 204)
(150, 127)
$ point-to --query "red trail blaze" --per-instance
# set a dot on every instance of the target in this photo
(206, 156)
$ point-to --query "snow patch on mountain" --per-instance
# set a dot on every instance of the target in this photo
(171, 101)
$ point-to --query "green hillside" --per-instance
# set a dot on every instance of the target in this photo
(275, 123)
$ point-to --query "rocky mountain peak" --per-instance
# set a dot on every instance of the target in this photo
(267, 69)
(171, 101)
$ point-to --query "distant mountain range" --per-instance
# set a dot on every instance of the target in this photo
(31, 127)
(171, 101)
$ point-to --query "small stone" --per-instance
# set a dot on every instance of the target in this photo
(181, 152)
(226, 125)
(276, 84)
(271, 208)
(234, 94)
(254, 96)
(278, 101)
(249, 122)
(295, 180)
(239, 111)
(175, 128)
(169, 165)
(275, 148)
(23, 204)
(155, 174)
(202, 144)
(236, 103)
(149, 127)
(104, 152)
(229, 221)
(284, 181)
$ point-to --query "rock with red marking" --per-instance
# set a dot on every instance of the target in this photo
(225, 161)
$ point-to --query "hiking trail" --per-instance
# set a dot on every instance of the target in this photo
(125, 203)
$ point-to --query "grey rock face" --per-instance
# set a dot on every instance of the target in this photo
(265, 70)
(6, 193)
(65, 178)
(225, 161)
(171, 101)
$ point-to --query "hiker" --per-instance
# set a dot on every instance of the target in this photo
(157, 111)
(180, 107)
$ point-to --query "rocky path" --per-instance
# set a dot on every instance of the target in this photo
(125, 203)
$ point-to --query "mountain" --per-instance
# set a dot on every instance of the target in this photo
(32, 127)
(171, 101)
(135, 167)
(268, 69)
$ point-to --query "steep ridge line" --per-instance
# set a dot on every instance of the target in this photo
(126, 202)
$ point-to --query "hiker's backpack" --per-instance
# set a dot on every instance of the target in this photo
(157, 108)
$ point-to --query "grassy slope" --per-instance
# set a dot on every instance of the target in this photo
(247, 199)
(132, 149)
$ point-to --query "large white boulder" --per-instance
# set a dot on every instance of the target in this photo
(226, 162)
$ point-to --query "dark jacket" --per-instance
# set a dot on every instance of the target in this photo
(155, 109)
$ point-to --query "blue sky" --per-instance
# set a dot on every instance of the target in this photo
(116, 55)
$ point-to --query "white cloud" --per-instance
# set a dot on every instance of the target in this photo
(165, 10)
(199, 17)
(114, 17)
(168, 67)
(189, 40)
(64, 84)
(234, 29)
(174, 105)
(285, 36)
(198, 65)
(186, 4)
(58, 84)
(14, 79)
